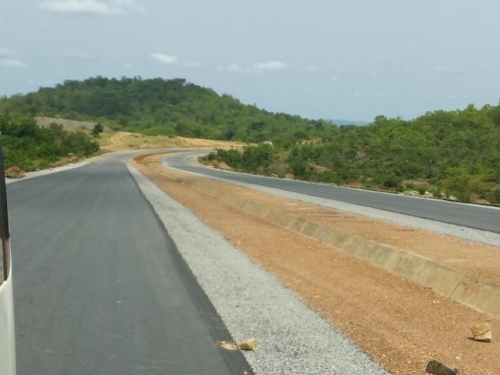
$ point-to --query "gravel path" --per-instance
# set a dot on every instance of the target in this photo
(292, 339)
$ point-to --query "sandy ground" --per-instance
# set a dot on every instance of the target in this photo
(111, 141)
(120, 141)
(399, 323)
(68, 124)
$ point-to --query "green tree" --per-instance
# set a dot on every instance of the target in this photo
(98, 128)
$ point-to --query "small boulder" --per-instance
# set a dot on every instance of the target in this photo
(481, 332)
(438, 368)
(249, 344)
(228, 345)
(14, 172)
(412, 193)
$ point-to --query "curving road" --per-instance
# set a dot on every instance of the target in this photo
(466, 215)
(100, 287)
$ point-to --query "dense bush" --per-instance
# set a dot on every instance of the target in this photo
(455, 152)
(30, 147)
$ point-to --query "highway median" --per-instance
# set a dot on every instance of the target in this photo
(455, 276)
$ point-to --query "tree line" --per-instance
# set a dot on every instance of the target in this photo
(160, 107)
(442, 153)
(30, 147)
(453, 153)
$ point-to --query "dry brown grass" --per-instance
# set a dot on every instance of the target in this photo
(119, 141)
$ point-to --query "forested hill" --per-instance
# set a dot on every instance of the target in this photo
(158, 106)
(441, 152)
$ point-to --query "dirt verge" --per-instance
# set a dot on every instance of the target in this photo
(400, 324)
(119, 141)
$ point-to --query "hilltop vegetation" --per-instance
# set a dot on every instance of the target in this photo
(455, 153)
(442, 152)
(160, 107)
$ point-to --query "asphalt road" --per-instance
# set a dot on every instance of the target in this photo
(466, 215)
(100, 287)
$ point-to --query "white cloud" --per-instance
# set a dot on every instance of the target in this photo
(11, 63)
(451, 69)
(234, 68)
(6, 52)
(192, 64)
(77, 6)
(340, 71)
(312, 68)
(7, 59)
(230, 68)
(259, 67)
(165, 59)
(129, 5)
(355, 94)
(70, 55)
(75, 55)
(127, 65)
(270, 65)
(91, 7)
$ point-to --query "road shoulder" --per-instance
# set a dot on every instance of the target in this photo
(399, 323)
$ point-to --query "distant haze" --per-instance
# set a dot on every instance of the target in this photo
(349, 122)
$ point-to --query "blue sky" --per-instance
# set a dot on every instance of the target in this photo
(331, 59)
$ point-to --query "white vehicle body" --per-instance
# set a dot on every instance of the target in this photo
(7, 341)
(7, 338)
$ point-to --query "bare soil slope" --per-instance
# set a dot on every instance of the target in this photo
(119, 141)
(72, 124)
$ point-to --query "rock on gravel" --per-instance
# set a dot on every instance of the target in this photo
(250, 344)
(438, 368)
(481, 332)
(292, 338)
(14, 172)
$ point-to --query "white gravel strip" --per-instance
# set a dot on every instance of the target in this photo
(292, 339)
(489, 238)
(45, 172)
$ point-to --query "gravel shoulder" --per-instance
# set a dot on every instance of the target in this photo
(398, 323)
(292, 338)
